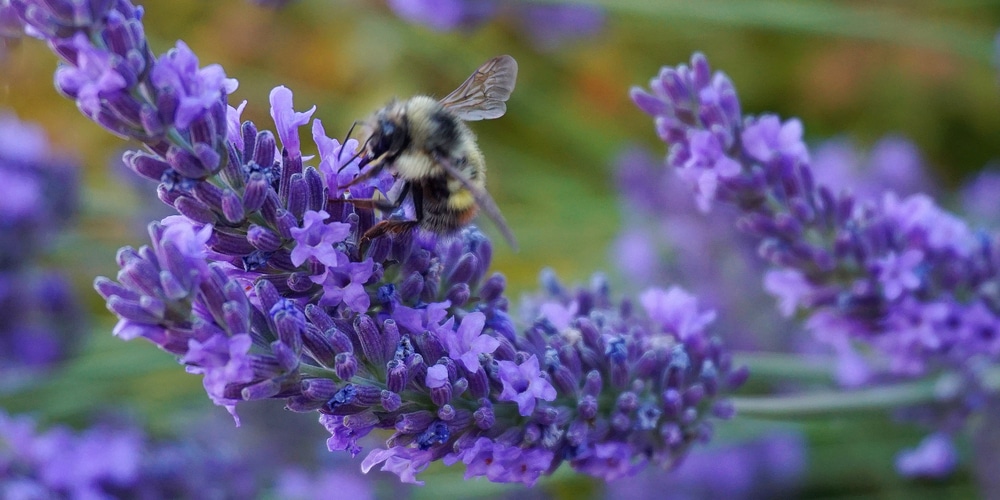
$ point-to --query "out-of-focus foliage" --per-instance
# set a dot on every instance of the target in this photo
(922, 69)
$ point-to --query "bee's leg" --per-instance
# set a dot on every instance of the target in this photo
(387, 227)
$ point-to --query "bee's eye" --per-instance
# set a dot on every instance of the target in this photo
(386, 138)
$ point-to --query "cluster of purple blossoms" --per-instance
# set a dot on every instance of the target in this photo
(894, 273)
(671, 240)
(116, 459)
(265, 287)
(548, 25)
(37, 197)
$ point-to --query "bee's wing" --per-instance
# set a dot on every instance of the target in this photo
(484, 200)
(482, 95)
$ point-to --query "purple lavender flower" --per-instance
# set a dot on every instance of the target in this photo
(524, 385)
(265, 287)
(41, 318)
(934, 457)
(898, 273)
(445, 15)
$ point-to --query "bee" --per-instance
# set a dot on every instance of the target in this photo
(433, 155)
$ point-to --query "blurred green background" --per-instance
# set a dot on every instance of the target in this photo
(921, 68)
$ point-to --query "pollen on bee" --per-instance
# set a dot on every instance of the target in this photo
(461, 199)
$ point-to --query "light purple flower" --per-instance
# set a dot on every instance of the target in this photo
(676, 311)
(287, 121)
(524, 384)
(766, 139)
(223, 361)
(437, 376)
(197, 89)
(316, 238)
(92, 79)
(934, 457)
(469, 341)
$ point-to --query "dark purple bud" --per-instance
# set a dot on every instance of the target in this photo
(226, 242)
(396, 375)
(285, 221)
(289, 322)
(738, 377)
(446, 413)
(546, 416)
(263, 239)
(694, 394)
(264, 148)
(484, 417)
(256, 192)
(319, 388)
(194, 210)
(145, 164)
(587, 407)
(370, 338)
(458, 294)
(459, 387)
(724, 410)
(620, 422)
(441, 395)
(316, 190)
(493, 288)
(391, 401)
(416, 369)
(710, 378)
(318, 346)
(627, 402)
(363, 420)
(390, 337)
(298, 196)
(411, 287)
(505, 351)
(429, 344)
(209, 194)
(339, 340)
(593, 384)
(286, 356)
(318, 316)
(261, 390)
(345, 365)
(186, 163)
(673, 403)
(577, 433)
(591, 335)
(564, 381)
(414, 422)
(465, 269)
(479, 383)
(672, 434)
(232, 206)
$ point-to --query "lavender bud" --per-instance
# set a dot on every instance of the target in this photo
(441, 395)
(370, 339)
(414, 422)
(446, 413)
(255, 193)
(390, 401)
(194, 210)
(592, 385)
(319, 388)
(396, 375)
(345, 365)
(484, 417)
(263, 239)
(587, 407)
(232, 206)
(493, 288)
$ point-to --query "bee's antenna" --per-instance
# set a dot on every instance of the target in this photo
(343, 144)
(361, 149)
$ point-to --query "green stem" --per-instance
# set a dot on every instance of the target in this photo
(942, 388)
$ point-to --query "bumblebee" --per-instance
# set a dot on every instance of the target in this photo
(433, 155)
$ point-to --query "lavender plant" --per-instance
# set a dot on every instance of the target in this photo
(37, 198)
(262, 286)
(908, 282)
(115, 458)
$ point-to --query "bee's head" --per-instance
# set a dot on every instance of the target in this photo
(389, 133)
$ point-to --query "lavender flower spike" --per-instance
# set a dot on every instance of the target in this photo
(896, 272)
(261, 286)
